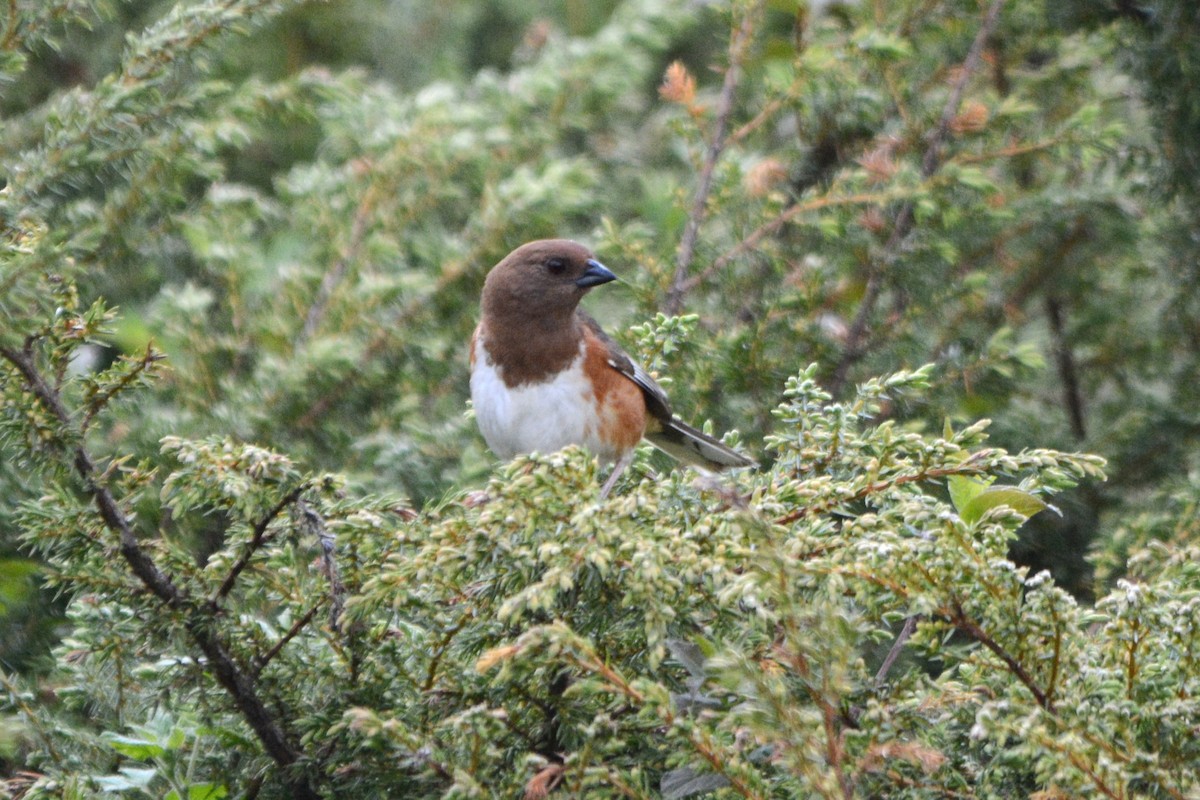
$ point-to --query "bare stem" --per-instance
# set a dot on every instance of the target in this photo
(910, 625)
(333, 277)
(969, 467)
(315, 524)
(738, 44)
(11, 39)
(1065, 358)
(97, 403)
(298, 626)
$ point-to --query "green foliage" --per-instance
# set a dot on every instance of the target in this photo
(244, 548)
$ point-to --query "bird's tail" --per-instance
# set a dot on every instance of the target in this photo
(680, 440)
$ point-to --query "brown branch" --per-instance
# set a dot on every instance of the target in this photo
(1065, 359)
(834, 751)
(97, 403)
(855, 346)
(761, 117)
(262, 661)
(958, 618)
(910, 625)
(968, 467)
(314, 524)
(440, 649)
(1098, 781)
(738, 43)
(697, 737)
(11, 41)
(1011, 151)
(1056, 658)
(257, 540)
(221, 664)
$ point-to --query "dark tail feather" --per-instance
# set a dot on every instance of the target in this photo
(682, 441)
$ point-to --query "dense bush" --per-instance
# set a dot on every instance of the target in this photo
(253, 547)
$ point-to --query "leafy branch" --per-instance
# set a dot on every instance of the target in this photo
(971, 466)
(197, 620)
(963, 623)
(257, 539)
(854, 347)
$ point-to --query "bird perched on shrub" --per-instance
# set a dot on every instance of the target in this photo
(545, 376)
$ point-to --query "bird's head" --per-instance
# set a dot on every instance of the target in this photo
(542, 280)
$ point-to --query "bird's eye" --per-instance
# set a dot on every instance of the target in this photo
(556, 266)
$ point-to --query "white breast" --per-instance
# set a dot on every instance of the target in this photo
(543, 417)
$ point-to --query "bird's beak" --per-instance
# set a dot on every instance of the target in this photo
(596, 274)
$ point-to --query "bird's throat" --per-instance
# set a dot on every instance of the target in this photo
(531, 350)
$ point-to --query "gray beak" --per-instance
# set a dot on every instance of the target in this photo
(596, 274)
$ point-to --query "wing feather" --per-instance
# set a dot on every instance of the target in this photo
(665, 430)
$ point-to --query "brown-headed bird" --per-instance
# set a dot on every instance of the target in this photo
(545, 376)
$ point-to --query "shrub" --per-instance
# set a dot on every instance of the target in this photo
(254, 503)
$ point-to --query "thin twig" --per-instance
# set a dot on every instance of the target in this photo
(1011, 151)
(331, 279)
(11, 41)
(910, 625)
(969, 467)
(738, 43)
(314, 523)
(96, 404)
(262, 661)
(771, 227)
(34, 722)
(959, 619)
(761, 117)
(834, 750)
(257, 539)
(855, 346)
(1056, 657)
(699, 738)
(1072, 397)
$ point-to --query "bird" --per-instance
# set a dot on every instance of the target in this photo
(544, 375)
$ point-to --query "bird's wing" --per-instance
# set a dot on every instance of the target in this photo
(657, 403)
(665, 430)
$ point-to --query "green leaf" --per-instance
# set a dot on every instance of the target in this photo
(1020, 501)
(130, 778)
(964, 489)
(206, 791)
(140, 749)
(176, 739)
(975, 178)
(884, 45)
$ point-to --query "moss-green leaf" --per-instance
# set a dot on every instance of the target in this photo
(134, 748)
(964, 489)
(1020, 501)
